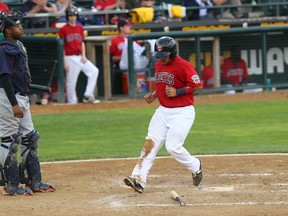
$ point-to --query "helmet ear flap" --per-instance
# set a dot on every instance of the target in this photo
(173, 55)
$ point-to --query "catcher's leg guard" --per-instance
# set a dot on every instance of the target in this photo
(29, 169)
(30, 161)
(10, 175)
(2, 176)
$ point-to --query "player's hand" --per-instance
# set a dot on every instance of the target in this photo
(17, 111)
(42, 3)
(121, 4)
(84, 59)
(150, 98)
(170, 91)
(66, 67)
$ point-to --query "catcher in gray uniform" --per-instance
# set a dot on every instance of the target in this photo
(16, 126)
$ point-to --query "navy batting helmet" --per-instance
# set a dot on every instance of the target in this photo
(71, 10)
(165, 46)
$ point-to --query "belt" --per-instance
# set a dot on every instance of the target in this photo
(78, 54)
(177, 106)
(21, 93)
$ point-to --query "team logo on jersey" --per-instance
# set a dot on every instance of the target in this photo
(164, 77)
(195, 79)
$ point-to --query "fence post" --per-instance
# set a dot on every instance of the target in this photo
(216, 61)
(131, 71)
(60, 72)
(198, 55)
(264, 57)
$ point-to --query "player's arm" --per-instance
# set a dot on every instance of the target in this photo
(173, 92)
(188, 90)
(193, 83)
(9, 90)
(66, 66)
(84, 58)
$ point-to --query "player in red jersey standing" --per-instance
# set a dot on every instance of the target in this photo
(176, 81)
(118, 42)
(75, 59)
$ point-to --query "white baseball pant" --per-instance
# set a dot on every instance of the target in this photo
(9, 124)
(75, 67)
(170, 126)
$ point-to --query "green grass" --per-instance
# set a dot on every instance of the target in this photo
(250, 127)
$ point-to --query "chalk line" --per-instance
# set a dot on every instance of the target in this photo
(136, 158)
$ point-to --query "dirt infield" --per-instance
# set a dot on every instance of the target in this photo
(232, 184)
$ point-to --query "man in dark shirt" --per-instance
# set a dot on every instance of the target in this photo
(16, 125)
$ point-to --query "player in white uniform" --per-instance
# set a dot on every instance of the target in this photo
(75, 59)
(176, 81)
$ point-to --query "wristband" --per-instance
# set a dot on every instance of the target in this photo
(180, 91)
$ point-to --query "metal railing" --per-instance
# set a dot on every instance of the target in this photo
(160, 9)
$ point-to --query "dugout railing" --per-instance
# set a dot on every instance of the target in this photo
(263, 9)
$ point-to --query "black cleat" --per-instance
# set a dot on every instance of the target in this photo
(197, 177)
(131, 182)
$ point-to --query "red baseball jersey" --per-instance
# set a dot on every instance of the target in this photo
(208, 77)
(73, 37)
(101, 4)
(117, 44)
(235, 74)
(178, 73)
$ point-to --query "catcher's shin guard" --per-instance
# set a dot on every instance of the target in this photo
(2, 176)
(23, 174)
(9, 171)
(30, 161)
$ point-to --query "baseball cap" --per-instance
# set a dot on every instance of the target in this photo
(123, 22)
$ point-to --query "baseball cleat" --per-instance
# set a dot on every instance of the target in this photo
(90, 99)
(131, 182)
(197, 177)
(43, 188)
(20, 191)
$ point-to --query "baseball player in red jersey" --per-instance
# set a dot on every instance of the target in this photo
(75, 59)
(118, 42)
(234, 69)
(208, 77)
(176, 81)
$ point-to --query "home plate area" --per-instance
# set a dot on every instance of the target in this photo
(232, 185)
